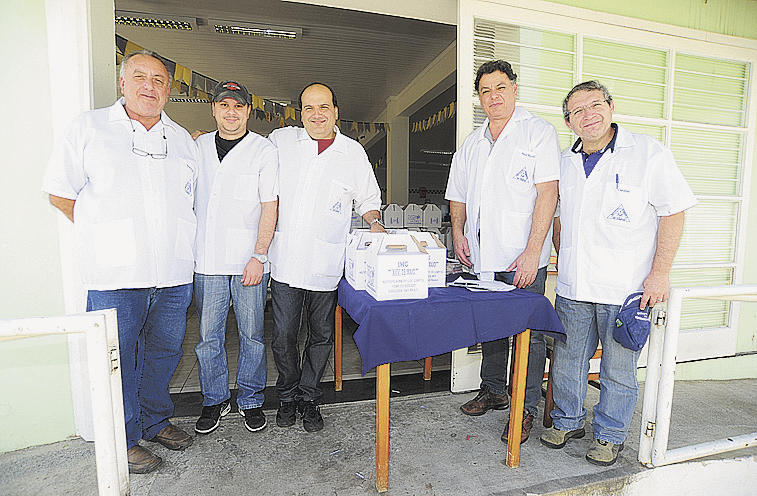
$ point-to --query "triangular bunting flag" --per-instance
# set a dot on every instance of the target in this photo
(131, 47)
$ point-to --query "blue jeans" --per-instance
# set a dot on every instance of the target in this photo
(295, 382)
(495, 354)
(151, 326)
(212, 296)
(585, 324)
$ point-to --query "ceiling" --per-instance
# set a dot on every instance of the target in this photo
(365, 57)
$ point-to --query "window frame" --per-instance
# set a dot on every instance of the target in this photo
(672, 39)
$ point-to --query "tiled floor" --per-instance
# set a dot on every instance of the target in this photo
(186, 378)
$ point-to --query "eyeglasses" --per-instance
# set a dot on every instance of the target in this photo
(580, 111)
(142, 153)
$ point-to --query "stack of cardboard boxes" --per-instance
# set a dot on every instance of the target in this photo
(412, 216)
(397, 265)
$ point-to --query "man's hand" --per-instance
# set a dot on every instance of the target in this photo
(526, 266)
(657, 283)
(376, 227)
(462, 252)
(656, 289)
(253, 273)
(64, 205)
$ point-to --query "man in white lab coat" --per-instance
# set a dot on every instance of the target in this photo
(502, 190)
(125, 176)
(235, 204)
(322, 174)
(622, 203)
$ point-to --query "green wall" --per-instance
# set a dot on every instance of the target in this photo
(731, 17)
(747, 336)
(35, 399)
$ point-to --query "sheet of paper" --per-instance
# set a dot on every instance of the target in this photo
(496, 286)
(476, 285)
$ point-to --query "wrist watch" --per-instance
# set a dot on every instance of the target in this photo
(260, 258)
(370, 224)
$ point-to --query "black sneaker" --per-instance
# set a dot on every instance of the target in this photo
(211, 417)
(254, 419)
(287, 414)
(311, 416)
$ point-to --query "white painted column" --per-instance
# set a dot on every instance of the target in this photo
(81, 50)
(397, 155)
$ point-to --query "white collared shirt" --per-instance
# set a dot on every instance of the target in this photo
(497, 183)
(609, 220)
(316, 196)
(133, 220)
(227, 202)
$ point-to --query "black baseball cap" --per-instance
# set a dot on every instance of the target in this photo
(232, 89)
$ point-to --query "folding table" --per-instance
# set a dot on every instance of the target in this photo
(449, 319)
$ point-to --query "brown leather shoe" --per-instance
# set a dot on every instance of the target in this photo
(485, 401)
(173, 438)
(528, 422)
(142, 461)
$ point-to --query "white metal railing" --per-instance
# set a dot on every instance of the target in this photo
(101, 332)
(658, 389)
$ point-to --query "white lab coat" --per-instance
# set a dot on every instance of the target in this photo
(498, 186)
(316, 197)
(133, 220)
(609, 220)
(227, 202)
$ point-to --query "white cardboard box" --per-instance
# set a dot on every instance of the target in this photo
(393, 217)
(356, 253)
(432, 216)
(396, 268)
(413, 215)
(437, 258)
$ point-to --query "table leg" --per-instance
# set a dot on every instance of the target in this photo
(382, 427)
(338, 349)
(518, 397)
(427, 369)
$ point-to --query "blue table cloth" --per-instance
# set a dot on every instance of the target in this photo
(449, 319)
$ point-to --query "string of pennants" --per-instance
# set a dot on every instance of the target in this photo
(433, 120)
(199, 88)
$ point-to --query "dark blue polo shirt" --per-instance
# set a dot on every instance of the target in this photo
(591, 159)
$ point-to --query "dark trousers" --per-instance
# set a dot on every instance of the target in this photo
(495, 353)
(295, 382)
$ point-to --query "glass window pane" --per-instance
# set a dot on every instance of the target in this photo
(635, 76)
(697, 313)
(543, 60)
(709, 159)
(710, 90)
(709, 235)
(657, 132)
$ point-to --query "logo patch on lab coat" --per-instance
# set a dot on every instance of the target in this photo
(188, 188)
(337, 207)
(619, 214)
(522, 176)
